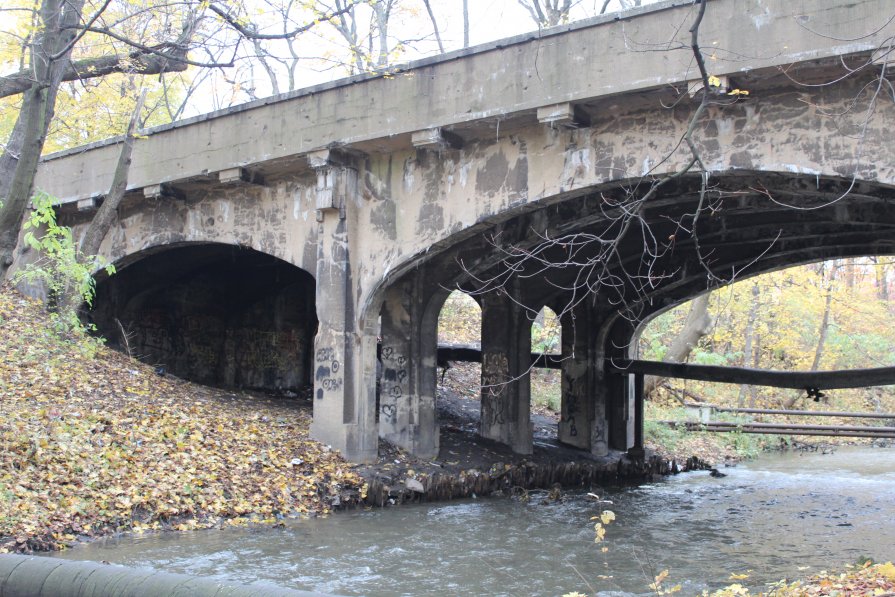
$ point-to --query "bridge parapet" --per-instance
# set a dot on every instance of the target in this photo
(474, 93)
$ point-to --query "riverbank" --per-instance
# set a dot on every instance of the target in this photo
(93, 443)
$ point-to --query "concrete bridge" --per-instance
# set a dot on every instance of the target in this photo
(277, 243)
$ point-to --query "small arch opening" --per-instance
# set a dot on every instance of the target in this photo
(459, 326)
(546, 383)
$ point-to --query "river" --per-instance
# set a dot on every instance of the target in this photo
(778, 516)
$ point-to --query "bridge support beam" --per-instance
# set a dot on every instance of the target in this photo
(506, 360)
(344, 356)
(407, 383)
(617, 336)
(583, 418)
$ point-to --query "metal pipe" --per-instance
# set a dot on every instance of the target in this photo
(781, 429)
(802, 413)
(29, 576)
(822, 380)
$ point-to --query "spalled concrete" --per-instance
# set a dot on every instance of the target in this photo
(390, 191)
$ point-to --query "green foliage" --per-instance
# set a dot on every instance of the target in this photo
(460, 321)
(60, 268)
(546, 332)
(659, 434)
(546, 388)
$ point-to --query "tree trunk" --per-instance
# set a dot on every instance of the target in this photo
(750, 336)
(59, 20)
(849, 265)
(382, 14)
(882, 280)
(756, 361)
(822, 333)
(697, 325)
(108, 211)
(465, 23)
(434, 25)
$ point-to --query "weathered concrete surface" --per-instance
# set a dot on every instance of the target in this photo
(353, 184)
(604, 57)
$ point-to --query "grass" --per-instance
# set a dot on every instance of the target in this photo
(681, 444)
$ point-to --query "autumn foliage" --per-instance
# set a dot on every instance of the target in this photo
(92, 442)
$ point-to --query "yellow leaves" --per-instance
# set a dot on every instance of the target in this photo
(735, 576)
(605, 517)
(741, 92)
(886, 570)
(139, 448)
(714, 81)
(871, 579)
(657, 588)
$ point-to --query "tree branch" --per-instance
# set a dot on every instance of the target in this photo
(251, 33)
(160, 59)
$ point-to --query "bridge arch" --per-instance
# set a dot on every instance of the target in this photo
(212, 313)
(757, 221)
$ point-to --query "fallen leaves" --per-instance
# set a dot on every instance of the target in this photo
(92, 442)
(867, 580)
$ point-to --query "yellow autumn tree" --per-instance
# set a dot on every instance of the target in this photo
(827, 316)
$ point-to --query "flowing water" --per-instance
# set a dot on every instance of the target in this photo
(780, 516)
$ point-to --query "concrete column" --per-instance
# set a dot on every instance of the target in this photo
(616, 337)
(407, 384)
(583, 419)
(344, 356)
(577, 404)
(506, 359)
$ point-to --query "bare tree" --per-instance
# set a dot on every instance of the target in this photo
(366, 28)
(61, 26)
(465, 23)
(51, 48)
(697, 324)
(435, 27)
(548, 13)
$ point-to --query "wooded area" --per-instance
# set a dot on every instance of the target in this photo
(835, 315)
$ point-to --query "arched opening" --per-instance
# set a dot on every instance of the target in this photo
(459, 382)
(546, 383)
(214, 314)
(830, 315)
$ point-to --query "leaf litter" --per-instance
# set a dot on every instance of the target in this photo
(93, 443)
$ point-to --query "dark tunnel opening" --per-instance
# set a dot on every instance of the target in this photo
(214, 314)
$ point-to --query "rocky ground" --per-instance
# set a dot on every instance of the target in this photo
(468, 464)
